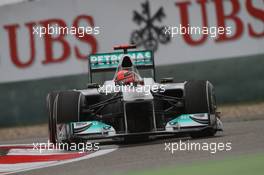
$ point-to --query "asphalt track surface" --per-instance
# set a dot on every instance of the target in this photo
(247, 137)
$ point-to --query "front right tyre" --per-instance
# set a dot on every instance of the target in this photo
(63, 108)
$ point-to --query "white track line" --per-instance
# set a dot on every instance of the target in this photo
(21, 167)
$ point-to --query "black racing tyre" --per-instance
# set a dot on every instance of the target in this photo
(68, 107)
(52, 125)
(200, 98)
(196, 97)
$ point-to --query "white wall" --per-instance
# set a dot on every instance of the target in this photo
(114, 17)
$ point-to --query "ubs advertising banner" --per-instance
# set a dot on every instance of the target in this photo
(50, 38)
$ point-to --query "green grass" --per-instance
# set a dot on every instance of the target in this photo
(243, 165)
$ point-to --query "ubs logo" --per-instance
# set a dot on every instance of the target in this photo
(149, 35)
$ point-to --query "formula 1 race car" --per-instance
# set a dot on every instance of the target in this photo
(131, 106)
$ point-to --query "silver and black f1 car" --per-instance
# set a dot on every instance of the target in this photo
(129, 105)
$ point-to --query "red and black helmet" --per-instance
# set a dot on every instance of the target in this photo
(125, 77)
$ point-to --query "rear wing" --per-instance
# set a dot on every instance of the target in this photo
(103, 62)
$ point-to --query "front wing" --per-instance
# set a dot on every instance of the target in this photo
(185, 123)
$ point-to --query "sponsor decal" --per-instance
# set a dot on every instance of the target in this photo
(26, 56)
(111, 60)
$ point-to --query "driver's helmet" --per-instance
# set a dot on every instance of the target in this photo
(125, 77)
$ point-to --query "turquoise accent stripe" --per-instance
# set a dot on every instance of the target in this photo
(96, 127)
(183, 119)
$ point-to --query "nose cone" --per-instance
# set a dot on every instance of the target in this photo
(126, 62)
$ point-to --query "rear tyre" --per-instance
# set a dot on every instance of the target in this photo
(200, 98)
